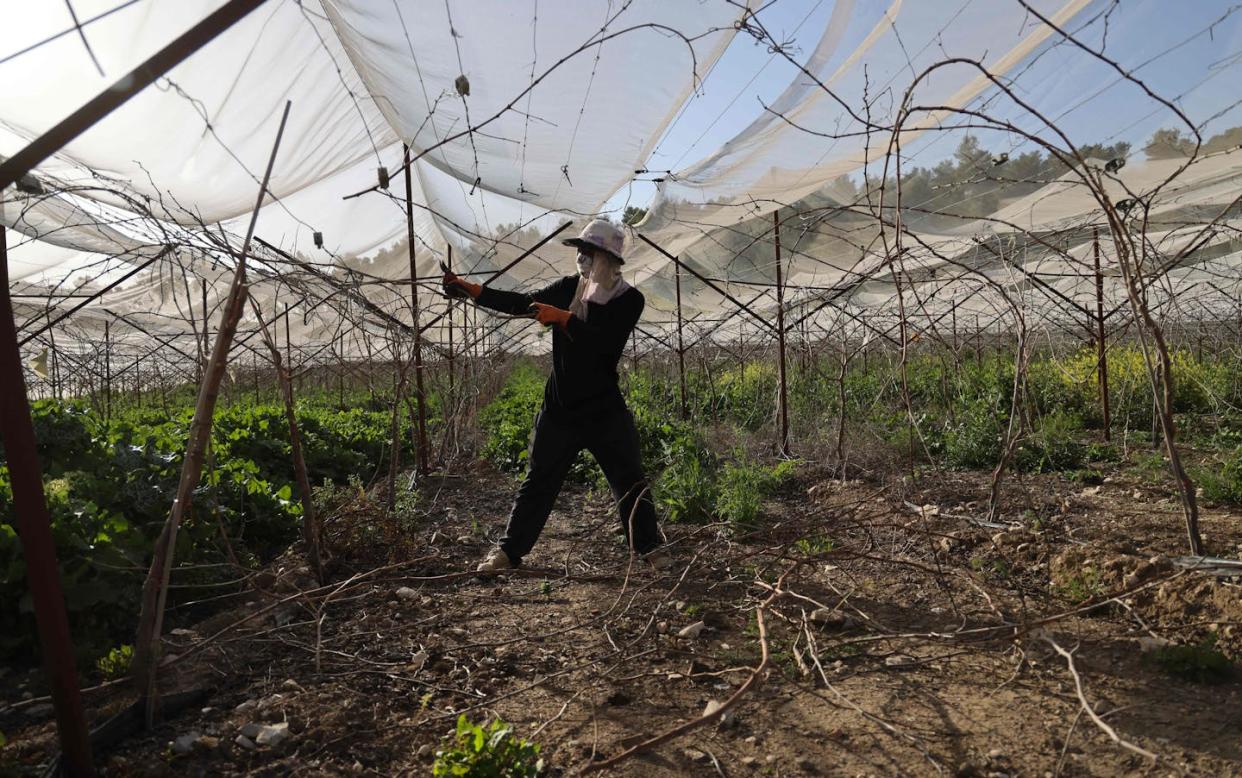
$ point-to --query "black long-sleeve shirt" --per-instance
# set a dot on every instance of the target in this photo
(584, 361)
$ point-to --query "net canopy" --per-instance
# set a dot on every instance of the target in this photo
(965, 159)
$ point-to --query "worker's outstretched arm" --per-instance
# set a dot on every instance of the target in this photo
(515, 303)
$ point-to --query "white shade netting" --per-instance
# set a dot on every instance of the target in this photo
(520, 117)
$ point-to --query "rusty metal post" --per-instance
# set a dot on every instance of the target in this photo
(204, 348)
(34, 526)
(452, 364)
(107, 372)
(57, 387)
(783, 400)
(1100, 345)
(681, 350)
(424, 456)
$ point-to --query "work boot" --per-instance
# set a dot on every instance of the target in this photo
(496, 561)
(659, 560)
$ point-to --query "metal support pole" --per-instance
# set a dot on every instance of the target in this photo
(424, 464)
(205, 346)
(452, 366)
(288, 343)
(34, 526)
(681, 350)
(1100, 345)
(107, 372)
(57, 386)
(783, 406)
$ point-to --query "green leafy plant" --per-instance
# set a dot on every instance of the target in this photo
(1200, 663)
(115, 664)
(1081, 586)
(486, 751)
(1054, 446)
(686, 489)
(109, 486)
(1086, 476)
(974, 440)
(509, 419)
(743, 484)
(1223, 483)
(815, 544)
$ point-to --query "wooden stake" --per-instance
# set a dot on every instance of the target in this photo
(310, 525)
(783, 399)
(155, 588)
(1100, 345)
(681, 350)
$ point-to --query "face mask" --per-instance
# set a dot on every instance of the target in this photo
(584, 264)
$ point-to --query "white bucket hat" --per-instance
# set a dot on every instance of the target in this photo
(603, 235)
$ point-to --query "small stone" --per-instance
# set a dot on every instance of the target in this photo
(748, 760)
(1148, 644)
(270, 702)
(246, 705)
(996, 753)
(830, 619)
(898, 660)
(425, 749)
(273, 735)
(208, 742)
(692, 631)
(245, 742)
(695, 755)
(751, 739)
(251, 730)
(292, 685)
(662, 627)
(185, 743)
(713, 707)
(406, 594)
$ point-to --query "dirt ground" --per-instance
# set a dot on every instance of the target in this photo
(902, 638)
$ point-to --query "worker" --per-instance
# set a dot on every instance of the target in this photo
(592, 314)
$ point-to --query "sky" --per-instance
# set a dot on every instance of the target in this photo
(1165, 43)
(730, 94)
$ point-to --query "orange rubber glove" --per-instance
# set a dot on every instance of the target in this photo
(456, 286)
(550, 314)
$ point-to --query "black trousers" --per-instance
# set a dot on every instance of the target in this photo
(613, 439)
